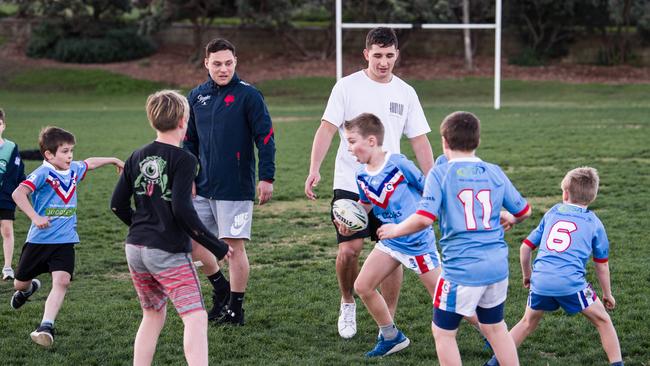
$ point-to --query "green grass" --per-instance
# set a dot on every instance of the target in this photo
(543, 130)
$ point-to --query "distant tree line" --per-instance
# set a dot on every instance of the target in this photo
(545, 28)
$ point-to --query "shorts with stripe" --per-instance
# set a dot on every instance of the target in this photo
(464, 300)
(572, 304)
(159, 275)
(420, 264)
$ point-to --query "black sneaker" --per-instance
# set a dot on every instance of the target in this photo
(218, 306)
(43, 335)
(229, 317)
(19, 299)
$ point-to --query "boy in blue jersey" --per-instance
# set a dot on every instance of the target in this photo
(50, 241)
(566, 237)
(391, 186)
(467, 194)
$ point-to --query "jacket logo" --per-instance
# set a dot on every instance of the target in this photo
(203, 99)
(229, 99)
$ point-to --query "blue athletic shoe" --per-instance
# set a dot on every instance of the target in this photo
(492, 362)
(385, 348)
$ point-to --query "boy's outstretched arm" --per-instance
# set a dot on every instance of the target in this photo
(21, 197)
(525, 255)
(94, 163)
(413, 223)
(602, 273)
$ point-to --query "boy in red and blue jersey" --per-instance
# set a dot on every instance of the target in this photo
(567, 236)
(467, 194)
(53, 233)
(391, 186)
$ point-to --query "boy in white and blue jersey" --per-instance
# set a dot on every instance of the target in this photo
(391, 186)
(50, 241)
(467, 194)
(566, 237)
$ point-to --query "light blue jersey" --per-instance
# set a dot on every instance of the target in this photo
(566, 237)
(55, 196)
(394, 191)
(467, 196)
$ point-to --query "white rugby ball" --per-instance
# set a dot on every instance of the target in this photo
(351, 214)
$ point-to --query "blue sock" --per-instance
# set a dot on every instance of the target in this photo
(47, 322)
(388, 331)
(619, 363)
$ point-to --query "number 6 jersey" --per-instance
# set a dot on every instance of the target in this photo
(566, 237)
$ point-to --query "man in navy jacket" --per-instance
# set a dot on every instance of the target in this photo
(228, 117)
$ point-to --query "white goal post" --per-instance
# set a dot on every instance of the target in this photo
(497, 40)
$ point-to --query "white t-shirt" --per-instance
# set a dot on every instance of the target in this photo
(395, 103)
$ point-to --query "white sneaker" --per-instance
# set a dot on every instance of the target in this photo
(348, 320)
(7, 274)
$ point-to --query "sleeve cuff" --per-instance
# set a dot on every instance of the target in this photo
(522, 212)
(29, 185)
(426, 214)
(601, 260)
(270, 180)
(529, 243)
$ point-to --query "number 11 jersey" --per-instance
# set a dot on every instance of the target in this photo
(467, 195)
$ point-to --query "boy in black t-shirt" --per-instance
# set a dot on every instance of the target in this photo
(159, 177)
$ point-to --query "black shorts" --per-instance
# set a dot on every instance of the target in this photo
(373, 222)
(36, 259)
(6, 214)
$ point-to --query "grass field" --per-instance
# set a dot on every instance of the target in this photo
(543, 130)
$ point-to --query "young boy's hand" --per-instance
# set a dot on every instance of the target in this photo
(526, 281)
(41, 222)
(609, 302)
(119, 165)
(386, 231)
(229, 254)
(507, 220)
(343, 230)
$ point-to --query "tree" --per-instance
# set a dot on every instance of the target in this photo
(201, 13)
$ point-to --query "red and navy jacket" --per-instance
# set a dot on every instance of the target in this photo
(225, 122)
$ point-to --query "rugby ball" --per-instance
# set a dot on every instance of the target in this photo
(351, 214)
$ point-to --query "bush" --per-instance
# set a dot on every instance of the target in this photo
(55, 40)
(526, 57)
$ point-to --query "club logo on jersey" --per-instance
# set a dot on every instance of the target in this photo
(396, 108)
(229, 99)
(203, 99)
(470, 171)
(568, 208)
(152, 174)
(381, 195)
(64, 191)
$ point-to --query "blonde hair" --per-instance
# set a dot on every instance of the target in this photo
(581, 184)
(165, 108)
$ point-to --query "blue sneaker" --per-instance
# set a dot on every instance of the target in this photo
(492, 362)
(385, 348)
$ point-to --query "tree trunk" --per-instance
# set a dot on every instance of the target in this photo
(467, 37)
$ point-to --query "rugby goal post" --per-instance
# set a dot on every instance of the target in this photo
(497, 40)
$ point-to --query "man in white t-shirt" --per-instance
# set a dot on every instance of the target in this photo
(372, 90)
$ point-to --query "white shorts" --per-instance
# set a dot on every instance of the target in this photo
(419, 264)
(464, 300)
(226, 219)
